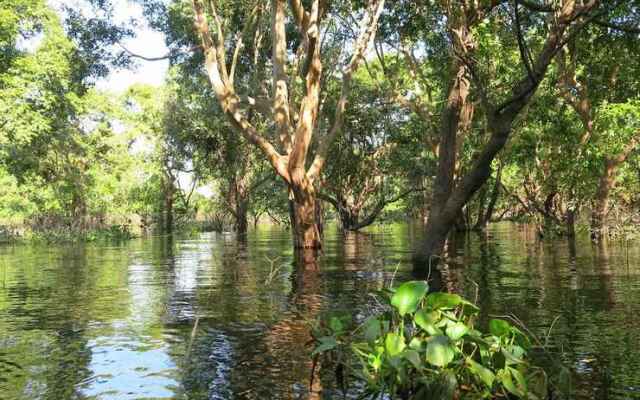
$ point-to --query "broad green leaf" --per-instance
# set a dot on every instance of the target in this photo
(394, 344)
(457, 330)
(520, 379)
(511, 358)
(499, 327)
(408, 296)
(427, 321)
(440, 352)
(486, 375)
(416, 343)
(507, 381)
(441, 300)
(413, 357)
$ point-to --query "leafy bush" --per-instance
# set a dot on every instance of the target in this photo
(426, 346)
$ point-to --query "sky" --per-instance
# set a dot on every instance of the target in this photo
(147, 42)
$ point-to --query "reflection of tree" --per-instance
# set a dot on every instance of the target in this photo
(49, 311)
(539, 281)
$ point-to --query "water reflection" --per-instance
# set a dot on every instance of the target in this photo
(211, 318)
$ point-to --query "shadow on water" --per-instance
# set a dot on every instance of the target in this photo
(214, 318)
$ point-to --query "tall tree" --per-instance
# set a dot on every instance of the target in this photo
(466, 25)
(297, 77)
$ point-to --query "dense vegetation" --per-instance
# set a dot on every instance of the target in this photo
(452, 113)
(426, 346)
(457, 113)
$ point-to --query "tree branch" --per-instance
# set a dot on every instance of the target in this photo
(227, 97)
(368, 28)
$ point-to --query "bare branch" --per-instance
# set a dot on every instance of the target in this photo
(227, 97)
(368, 28)
(158, 58)
(279, 60)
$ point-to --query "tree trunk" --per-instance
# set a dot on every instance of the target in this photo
(482, 198)
(494, 197)
(348, 219)
(448, 134)
(437, 229)
(607, 181)
(570, 219)
(439, 225)
(78, 211)
(241, 218)
(599, 213)
(304, 225)
(168, 211)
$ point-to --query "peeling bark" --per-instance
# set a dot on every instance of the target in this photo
(295, 134)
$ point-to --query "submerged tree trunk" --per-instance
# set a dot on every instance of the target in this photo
(305, 229)
(78, 211)
(168, 211)
(241, 223)
(607, 182)
(485, 215)
(570, 219)
(437, 229)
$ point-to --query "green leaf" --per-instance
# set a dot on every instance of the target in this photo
(394, 344)
(440, 300)
(416, 343)
(439, 351)
(413, 357)
(485, 374)
(336, 325)
(457, 330)
(408, 296)
(507, 381)
(326, 343)
(511, 358)
(499, 327)
(427, 321)
(521, 381)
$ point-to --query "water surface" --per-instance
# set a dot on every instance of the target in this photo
(209, 318)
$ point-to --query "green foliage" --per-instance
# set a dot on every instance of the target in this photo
(427, 346)
(67, 234)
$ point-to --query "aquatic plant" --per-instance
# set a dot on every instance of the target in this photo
(426, 345)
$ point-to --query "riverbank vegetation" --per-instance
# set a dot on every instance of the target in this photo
(295, 114)
(416, 122)
(455, 114)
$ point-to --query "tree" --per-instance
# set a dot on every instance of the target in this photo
(294, 129)
(203, 136)
(150, 120)
(467, 26)
(601, 91)
(373, 164)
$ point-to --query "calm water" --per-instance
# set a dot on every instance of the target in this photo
(206, 318)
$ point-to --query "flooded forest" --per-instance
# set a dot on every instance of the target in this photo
(315, 199)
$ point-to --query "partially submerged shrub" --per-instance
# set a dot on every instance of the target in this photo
(426, 346)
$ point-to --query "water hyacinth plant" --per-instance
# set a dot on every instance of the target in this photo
(426, 346)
